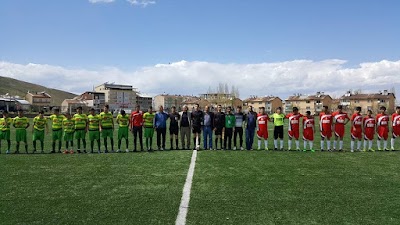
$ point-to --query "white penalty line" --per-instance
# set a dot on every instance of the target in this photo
(184, 206)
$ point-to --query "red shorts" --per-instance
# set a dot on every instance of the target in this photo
(326, 133)
(383, 133)
(308, 135)
(357, 133)
(339, 131)
(294, 134)
(369, 134)
(262, 133)
(396, 131)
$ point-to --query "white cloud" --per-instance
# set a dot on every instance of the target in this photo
(142, 3)
(101, 1)
(279, 78)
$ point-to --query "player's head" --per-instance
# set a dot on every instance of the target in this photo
(262, 110)
(398, 109)
(326, 108)
(250, 108)
(20, 112)
(173, 109)
(106, 108)
(206, 108)
(295, 109)
(92, 112)
(308, 113)
(137, 108)
(161, 108)
(185, 108)
(340, 108)
(79, 110)
(41, 113)
(279, 110)
(68, 115)
(369, 112)
(196, 107)
(382, 109)
(151, 109)
(239, 108)
(56, 111)
(229, 109)
(358, 109)
(123, 112)
(219, 108)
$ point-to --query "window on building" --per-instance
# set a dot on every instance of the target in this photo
(308, 107)
(307, 101)
(318, 101)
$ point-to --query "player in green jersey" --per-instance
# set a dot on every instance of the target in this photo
(148, 119)
(21, 123)
(38, 130)
(94, 130)
(5, 123)
(107, 127)
(81, 127)
(278, 119)
(123, 129)
(69, 129)
(56, 126)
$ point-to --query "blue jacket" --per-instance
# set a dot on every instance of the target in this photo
(160, 120)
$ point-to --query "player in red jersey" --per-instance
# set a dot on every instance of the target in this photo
(382, 127)
(136, 126)
(369, 130)
(262, 131)
(395, 126)
(325, 127)
(308, 131)
(340, 119)
(294, 128)
(356, 128)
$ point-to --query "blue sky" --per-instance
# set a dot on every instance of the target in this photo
(132, 38)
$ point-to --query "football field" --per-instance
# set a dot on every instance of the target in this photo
(229, 187)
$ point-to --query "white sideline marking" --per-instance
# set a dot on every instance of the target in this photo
(184, 206)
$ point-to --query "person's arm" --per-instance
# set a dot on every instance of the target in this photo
(46, 127)
(100, 122)
(347, 119)
(112, 121)
(33, 126)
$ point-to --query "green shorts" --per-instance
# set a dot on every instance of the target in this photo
(20, 135)
(57, 135)
(5, 135)
(105, 133)
(148, 132)
(123, 133)
(94, 135)
(80, 134)
(68, 136)
(38, 135)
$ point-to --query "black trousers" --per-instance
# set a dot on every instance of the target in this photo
(138, 131)
(161, 132)
(228, 138)
(238, 131)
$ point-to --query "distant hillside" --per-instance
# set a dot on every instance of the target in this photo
(20, 88)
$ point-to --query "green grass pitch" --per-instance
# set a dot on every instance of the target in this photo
(229, 187)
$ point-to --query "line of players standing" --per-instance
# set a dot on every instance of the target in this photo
(228, 126)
